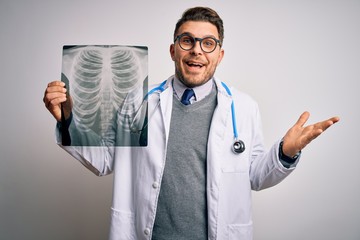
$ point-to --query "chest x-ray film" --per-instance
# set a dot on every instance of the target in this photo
(107, 85)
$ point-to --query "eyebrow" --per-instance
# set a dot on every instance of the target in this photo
(188, 33)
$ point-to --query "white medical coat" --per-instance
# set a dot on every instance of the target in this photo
(230, 177)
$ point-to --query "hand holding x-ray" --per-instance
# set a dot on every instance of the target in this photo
(57, 100)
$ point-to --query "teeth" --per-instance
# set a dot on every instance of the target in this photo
(195, 64)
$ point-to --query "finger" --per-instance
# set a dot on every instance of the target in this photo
(56, 103)
(56, 83)
(309, 137)
(334, 119)
(315, 134)
(327, 123)
(54, 99)
(53, 88)
(302, 119)
(320, 127)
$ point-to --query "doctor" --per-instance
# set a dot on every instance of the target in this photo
(188, 183)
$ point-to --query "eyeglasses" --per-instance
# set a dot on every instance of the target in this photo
(187, 42)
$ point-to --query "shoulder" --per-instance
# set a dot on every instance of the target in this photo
(244, 103)
(240, 98)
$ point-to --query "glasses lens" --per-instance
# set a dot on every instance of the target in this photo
(186, 42)
(208, 44)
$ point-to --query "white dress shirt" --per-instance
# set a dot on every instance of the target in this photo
(200, 91)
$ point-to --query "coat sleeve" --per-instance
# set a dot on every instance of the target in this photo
(98, 153)
(98, 159)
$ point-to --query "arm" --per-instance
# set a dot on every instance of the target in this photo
(99, 160)
(268, 169)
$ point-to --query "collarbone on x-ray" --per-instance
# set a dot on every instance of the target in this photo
(100, 78)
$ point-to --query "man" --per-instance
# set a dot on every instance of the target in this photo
(188, 183)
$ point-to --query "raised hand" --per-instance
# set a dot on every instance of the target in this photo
(298, 136)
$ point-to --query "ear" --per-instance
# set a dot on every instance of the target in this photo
(172, 52)
(221, 55)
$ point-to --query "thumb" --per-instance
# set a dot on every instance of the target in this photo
(67, 107)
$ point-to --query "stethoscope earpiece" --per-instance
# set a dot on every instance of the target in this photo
(238, 146)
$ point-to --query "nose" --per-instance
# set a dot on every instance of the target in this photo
(197, 48)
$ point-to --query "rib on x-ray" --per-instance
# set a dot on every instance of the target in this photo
(100, 79)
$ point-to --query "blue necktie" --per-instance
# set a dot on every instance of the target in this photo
(189, 93)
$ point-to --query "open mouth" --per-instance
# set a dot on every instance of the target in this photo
(194, 64)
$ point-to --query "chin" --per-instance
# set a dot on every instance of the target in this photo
(191, 81)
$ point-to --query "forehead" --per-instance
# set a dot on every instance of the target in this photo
(199, 29)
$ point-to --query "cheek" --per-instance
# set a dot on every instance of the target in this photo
(214, 64)
(175, 56)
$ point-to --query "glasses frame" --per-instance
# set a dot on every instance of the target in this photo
(195, 39)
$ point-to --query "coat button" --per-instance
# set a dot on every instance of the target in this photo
(147, 231)
(155, 185)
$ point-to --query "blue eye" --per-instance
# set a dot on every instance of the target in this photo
(186, 40)
(208, 42)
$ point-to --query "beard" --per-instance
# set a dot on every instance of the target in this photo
(194, 80)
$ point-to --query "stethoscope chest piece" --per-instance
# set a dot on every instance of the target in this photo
(238, 146)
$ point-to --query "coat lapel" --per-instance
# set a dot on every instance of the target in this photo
(166, 102)
(221, 118)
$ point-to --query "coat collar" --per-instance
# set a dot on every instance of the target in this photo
(222, 113)
(168, 85)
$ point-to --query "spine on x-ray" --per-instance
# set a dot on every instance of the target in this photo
(100, 81)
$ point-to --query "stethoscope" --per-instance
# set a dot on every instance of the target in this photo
(238, 145)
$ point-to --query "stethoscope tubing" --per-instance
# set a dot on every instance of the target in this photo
(232, 111)
(239, 145)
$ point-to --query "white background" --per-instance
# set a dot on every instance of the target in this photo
(291, 56)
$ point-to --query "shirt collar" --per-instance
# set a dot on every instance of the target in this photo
(200, 91)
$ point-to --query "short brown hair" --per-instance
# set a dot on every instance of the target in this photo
(204, 14)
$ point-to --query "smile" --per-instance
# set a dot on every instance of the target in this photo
(194, 64)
